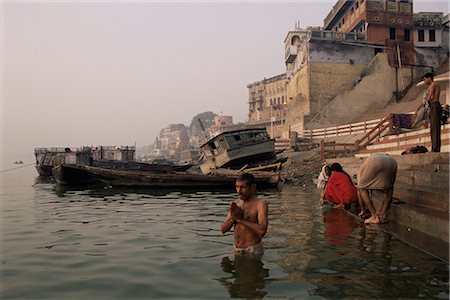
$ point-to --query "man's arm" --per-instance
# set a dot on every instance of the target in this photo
(227, 223)
(259, 228)
(436, 89)
(431, 92)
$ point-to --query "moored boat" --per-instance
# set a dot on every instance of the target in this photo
(220, 178)
(73, 175)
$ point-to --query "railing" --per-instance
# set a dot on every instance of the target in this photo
(335, 148)
(337, 35)
(347, 129)
(377, 131)
(291, 53)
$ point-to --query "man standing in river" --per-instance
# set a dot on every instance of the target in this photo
(248, 214)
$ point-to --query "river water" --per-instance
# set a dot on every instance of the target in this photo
(109, 243)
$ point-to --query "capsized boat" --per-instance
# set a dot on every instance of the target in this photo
(237, 148)
(218, 178)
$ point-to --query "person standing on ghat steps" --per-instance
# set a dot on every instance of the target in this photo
(432, 96)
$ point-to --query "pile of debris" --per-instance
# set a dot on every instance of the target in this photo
(301, 169)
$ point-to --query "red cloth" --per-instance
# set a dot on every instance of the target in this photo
(340, 189)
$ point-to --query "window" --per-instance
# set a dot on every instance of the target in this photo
(392, 33)
(421, 35)
(432, 35)
(407, 35)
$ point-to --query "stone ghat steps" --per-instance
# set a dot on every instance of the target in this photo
(421, 192)
(423, 196)
(433, 222)
(396, 144)
(418, 239)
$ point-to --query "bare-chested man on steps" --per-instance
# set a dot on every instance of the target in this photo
(248, 214)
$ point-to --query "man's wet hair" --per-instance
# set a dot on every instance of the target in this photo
(247, 177)
(428, 75)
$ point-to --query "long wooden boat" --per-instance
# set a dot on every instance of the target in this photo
(220, 178)
(75, 174)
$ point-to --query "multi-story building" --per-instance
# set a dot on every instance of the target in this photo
(386, 23)
(430, 36)
(220, 122)
(267, 99)
(428, 29)
(173, 139)
(363, 57)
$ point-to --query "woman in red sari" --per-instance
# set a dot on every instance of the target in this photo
(340, 189)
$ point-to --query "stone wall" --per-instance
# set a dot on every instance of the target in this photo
(374, 88)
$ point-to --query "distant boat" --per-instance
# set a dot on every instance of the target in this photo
(220, 178)
(18, 162)
(238, 148)
(48, 158)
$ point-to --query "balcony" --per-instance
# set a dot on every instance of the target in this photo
(337, 35)
(291, 54)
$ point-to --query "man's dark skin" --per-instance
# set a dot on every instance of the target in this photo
(248, 214)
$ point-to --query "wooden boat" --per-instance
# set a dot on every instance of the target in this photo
(73, 175)
(47, 158)
(236, 148)
(220, 178)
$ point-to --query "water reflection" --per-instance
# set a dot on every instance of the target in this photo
(362, 260)
(338, 227)
(249, 277)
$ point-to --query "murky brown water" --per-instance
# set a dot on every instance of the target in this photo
(128, 244)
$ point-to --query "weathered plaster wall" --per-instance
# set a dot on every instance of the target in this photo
(329, 80)
(337, 52)
(332, 68)
(433, 57)
(375, 89)
(298, 93)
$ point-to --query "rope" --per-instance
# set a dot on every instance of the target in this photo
(7, 170)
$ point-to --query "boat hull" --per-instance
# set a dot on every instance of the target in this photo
(178, 180)
(73, 175)
(44, 170)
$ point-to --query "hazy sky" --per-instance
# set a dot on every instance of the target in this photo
(114, 73)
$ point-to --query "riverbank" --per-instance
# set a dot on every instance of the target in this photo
(301, 169)
(419, 213)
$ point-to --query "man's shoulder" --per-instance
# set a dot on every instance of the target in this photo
(261, 202)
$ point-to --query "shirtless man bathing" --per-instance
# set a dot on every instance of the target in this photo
(248, 214)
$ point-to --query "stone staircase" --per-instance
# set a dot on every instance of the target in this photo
(396, 144)
(421, 203)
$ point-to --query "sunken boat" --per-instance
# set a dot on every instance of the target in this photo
(235, 149)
